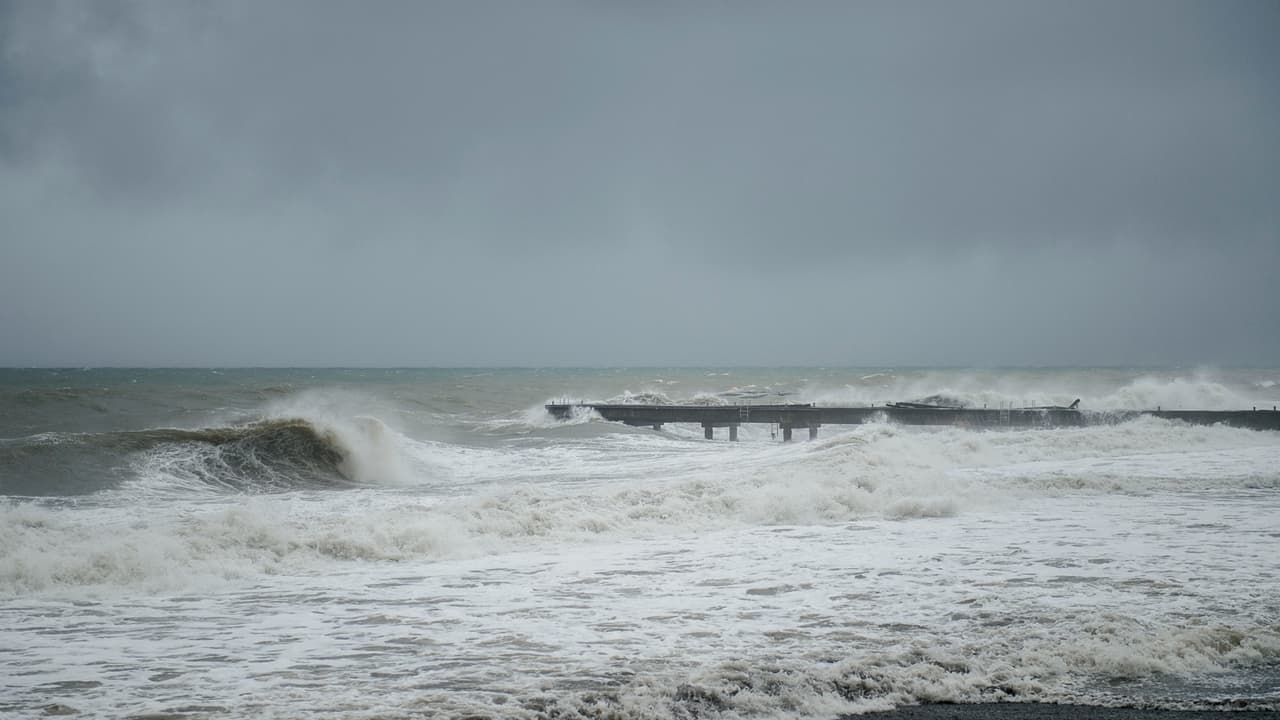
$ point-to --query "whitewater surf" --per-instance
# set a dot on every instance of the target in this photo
(430, 543)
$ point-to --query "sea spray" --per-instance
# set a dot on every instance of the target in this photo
(1100, 390)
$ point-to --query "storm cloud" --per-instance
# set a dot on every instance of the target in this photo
(508, 183)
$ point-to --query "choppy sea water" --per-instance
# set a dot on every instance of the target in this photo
(429, 543)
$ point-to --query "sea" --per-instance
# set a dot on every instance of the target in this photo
(431, 543)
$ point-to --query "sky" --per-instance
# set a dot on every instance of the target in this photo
(314, 183)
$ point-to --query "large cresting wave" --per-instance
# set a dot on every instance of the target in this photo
(269, 455)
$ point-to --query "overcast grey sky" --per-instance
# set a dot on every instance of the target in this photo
(576, 183)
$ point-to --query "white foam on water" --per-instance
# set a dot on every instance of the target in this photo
(781, 621)
(536, 417)
(657, 575)
(642, 484)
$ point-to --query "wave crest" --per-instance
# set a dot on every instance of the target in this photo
(264, 456)
(271, 455)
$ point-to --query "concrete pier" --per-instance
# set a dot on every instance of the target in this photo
(791, 416)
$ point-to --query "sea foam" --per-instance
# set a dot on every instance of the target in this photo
(628, 485)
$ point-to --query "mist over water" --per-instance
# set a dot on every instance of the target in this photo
(401, 543)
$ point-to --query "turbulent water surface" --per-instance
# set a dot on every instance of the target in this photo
(429, 543)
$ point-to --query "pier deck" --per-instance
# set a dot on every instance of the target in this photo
(809, 416)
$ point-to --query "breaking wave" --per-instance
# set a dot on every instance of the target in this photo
(580, 494)
(1040, 667)
(269, 455)
(1097, 390)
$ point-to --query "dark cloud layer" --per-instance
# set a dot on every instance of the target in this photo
(571, 183)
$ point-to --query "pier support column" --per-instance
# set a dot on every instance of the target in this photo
(733, 433)
(707, 431)
(786, 433)
(657, 426)
(813, 432)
